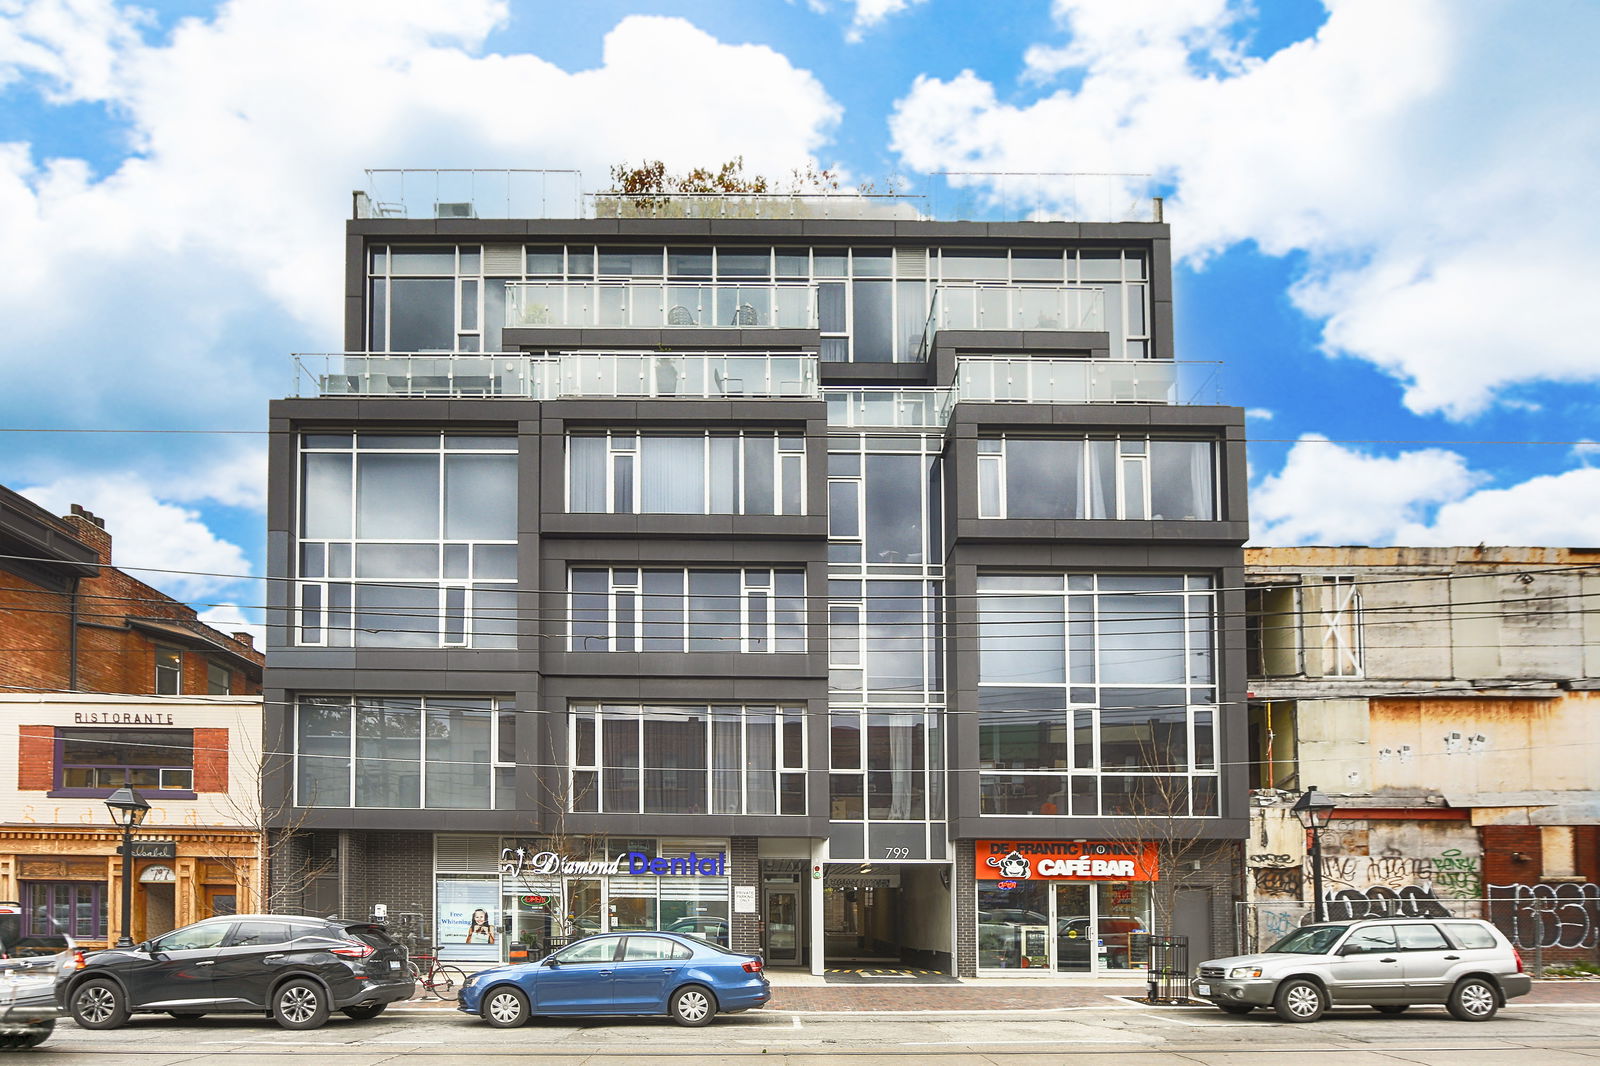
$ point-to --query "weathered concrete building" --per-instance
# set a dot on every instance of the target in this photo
(1448, 699)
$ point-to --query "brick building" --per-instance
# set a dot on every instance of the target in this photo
(104, 682)
(75, 623)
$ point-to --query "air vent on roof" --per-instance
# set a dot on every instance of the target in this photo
(502, 259)
(911, 262)
(456, 210)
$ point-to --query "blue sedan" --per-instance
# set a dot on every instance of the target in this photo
(684, 977)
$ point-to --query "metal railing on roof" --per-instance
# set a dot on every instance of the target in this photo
(938, 196)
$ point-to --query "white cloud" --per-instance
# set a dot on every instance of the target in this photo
(175, 285)
(869, 13)
(149, 532)
(1329, 494)
(1260, 414)
(1585, 450)
(1418, 154)
(229, 618)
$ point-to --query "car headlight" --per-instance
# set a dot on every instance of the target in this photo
(1245, 971)
(472, 979)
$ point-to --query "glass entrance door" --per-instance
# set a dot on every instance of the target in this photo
(585, 903)
(1074, 926)
(783, 926)
(1122, 909)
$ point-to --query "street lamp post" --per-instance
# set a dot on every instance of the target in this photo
(1315, 810)
(128, 809)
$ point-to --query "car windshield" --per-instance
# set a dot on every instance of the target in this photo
(1312, 940)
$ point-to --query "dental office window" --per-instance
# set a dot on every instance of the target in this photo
(653, 609)
(687, 759)
(624, 472)
(405, 752)
(1097, 694)
(407, 540)
(1093, 477)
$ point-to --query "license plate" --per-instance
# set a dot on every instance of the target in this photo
(1203, 990)
(394, 965)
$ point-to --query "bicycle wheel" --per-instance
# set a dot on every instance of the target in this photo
(444, 981)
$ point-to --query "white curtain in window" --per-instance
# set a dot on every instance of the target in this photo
(673, 473)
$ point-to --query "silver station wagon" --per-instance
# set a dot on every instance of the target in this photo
(1387, 963)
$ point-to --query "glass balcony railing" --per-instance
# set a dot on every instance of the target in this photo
(661, 305)
(889, 408)
(1017, 307)
(1003, 379)
(651, 375)
(565, 375)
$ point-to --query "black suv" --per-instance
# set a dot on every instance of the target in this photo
(297, 970)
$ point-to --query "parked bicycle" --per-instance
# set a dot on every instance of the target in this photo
(440, 980)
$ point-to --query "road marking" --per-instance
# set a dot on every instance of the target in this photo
(991, 1043)
(796, 1020)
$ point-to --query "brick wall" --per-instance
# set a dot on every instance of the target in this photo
(1215, 869)
(966, 905)
(211, 760)
(389, 867)
(744, 868)
(1501, 843)
(111, 657)
(36, 757)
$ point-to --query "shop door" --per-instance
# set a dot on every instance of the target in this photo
(221, 901)
(783, 938)
(1075, 928)
(586, 911)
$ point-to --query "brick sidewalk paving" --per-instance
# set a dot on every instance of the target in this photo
(974, 996)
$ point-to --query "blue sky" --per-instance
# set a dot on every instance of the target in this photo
(1381, 213)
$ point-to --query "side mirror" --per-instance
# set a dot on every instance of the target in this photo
(1349, 949)
(144, 947)
(552, 962)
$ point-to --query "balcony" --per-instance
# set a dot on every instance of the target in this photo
(660, 305)
(1007, 379)
(980, 306)
(889, 408)
(563, 376)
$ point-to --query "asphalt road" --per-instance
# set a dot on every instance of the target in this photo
(1128, 1036)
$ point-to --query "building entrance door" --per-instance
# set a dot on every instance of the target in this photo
(1075, 931)
(783, 937)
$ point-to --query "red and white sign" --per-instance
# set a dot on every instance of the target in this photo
(1067, 860)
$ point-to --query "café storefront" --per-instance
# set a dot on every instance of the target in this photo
(1063, 906)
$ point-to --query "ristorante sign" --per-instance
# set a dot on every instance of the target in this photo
(1067, 860)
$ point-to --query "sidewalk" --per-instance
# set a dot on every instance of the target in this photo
(809, 994)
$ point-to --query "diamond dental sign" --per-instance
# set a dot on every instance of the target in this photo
(1066, 860)
(515, 862)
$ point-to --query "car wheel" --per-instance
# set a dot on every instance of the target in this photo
(99, 1005)
(505, 1008)
(1300, 1000)
(693, 1005)
(1237, 1008)
(1473, 1000)
(365, 1011)
(1390, 1008)
(300, 1004)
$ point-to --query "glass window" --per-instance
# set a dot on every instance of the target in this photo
(599, 949)
(630, 262)
(219, 680)
(194, 938)
(422, 314)
(1420, 938)
(169, 671)
(1470, 936)
(259, 934)
(107, 759)
(1181, 480)
(1369, 939)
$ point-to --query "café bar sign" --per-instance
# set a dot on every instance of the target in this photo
(1067, 860)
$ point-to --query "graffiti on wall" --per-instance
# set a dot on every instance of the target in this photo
(1380, 901)
(1547, 916)
(1452, 872)
(1278, 880)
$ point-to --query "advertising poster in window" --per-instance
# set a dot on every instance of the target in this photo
(468, 919)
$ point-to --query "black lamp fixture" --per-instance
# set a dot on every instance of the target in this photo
(1315, 811)
(128, 809)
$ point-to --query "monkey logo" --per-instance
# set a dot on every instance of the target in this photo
(1011, 866)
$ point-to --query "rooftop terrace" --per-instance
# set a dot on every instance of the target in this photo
(946, 196)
